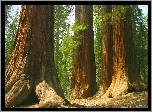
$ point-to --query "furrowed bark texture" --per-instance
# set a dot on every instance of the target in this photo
(83, 81)
(107, 52)
(125, 76)
(31, 66)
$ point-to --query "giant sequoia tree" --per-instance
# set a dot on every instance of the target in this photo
(31, 70)
(125, 77)
(83, 82)
(107, 51)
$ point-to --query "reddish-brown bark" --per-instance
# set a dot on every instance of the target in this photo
(125, 76)
(31, 68)
(83, 81)
(107, 50)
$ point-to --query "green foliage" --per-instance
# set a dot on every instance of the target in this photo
(121, 9)
(78, 26)
(97, 39)
(140, 33)
(63, 45)
(65, 42)
(107, 16)
(69, 43)
(7, 13)
(10, 31)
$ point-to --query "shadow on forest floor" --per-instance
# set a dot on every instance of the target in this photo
(130, 100)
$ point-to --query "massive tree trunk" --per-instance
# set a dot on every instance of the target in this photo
(31, 74)
(107, 51)
(125, 76)
(83, 81)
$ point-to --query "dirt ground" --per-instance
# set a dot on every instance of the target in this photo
(130, 100)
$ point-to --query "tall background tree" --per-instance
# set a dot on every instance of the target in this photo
(64, 42)
(107, 50)
(31, 70)
(83, 81)
(140, 37)
(125, 69)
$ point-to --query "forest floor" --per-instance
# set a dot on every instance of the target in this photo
(130, 100)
